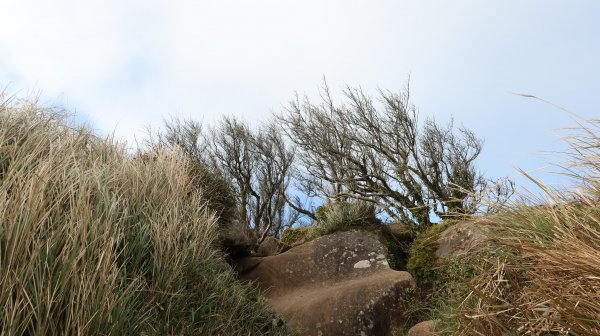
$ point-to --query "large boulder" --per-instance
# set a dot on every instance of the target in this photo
(339, 284)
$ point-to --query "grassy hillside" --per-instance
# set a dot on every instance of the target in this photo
(549, 281)
(542, 274)
(96, 241)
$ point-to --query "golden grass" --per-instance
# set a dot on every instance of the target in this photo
(94, 241)
(546, 278)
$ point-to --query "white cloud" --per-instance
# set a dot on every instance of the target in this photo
(126, 64)
(139, 60)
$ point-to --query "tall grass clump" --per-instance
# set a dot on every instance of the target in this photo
(547, 280)
(339, 216)
(96, 241)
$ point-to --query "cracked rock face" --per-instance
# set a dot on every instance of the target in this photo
(339, 284)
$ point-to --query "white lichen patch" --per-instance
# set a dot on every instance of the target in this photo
(362, 264)
(330, 252)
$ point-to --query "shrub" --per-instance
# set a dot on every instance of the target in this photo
(221, 198)
(93, 242)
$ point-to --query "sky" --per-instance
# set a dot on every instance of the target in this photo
(122, 66)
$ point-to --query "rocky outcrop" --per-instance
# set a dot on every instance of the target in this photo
(339, 284)
(463, 238)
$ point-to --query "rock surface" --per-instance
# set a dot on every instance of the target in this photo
(425, 328)
(462, 238)
(339, 284)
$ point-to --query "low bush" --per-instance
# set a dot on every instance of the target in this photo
(94, 242)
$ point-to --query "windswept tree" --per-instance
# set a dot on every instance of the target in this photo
(380, 154)
(256, 165)
(259, 165)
